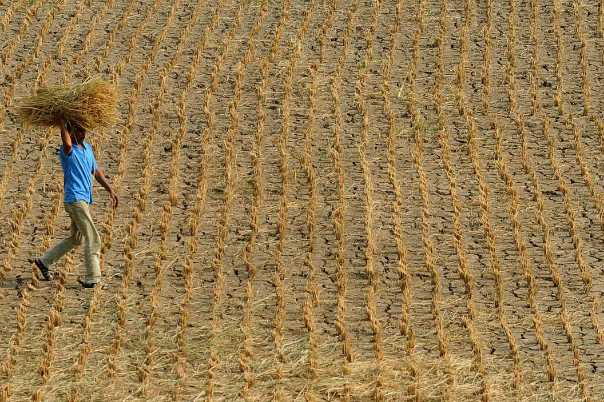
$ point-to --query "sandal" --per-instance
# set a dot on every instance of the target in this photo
(86, 285)
(42, 268)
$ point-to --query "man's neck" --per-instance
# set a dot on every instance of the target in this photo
(78, 144)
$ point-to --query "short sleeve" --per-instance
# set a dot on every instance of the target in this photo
(62, 153)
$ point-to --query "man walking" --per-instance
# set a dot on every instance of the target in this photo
(79, 165)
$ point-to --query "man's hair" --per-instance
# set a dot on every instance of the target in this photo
(74, 127)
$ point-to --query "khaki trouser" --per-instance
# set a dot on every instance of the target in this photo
(82, 228)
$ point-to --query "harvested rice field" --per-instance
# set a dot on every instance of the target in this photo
(320, 200)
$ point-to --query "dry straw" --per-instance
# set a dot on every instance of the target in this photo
(91, 104)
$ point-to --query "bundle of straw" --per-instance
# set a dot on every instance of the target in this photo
(90, 105)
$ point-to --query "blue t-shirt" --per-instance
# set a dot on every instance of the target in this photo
(78, 167)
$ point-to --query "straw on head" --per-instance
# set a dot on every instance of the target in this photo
(91, 104)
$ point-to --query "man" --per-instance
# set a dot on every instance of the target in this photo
(79, 165)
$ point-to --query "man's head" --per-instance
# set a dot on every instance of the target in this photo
(77, 131)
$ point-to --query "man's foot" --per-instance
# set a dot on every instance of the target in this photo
(86, 285)
(42, 268)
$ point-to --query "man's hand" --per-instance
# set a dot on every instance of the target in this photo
(100, 177)
(114, 198)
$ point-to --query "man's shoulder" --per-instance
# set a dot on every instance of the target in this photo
(88, 147)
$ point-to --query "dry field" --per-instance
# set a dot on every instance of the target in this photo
(320, 200)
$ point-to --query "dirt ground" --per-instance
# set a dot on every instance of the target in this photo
(320, 200)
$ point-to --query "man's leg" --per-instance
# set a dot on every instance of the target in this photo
(92, 241)
(63, 247)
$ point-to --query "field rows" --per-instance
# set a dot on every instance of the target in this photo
(320, 200)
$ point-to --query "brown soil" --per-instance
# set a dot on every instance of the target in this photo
(339, 200)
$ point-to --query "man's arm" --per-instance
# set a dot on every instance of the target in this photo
(66, 138)
(100, 177)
